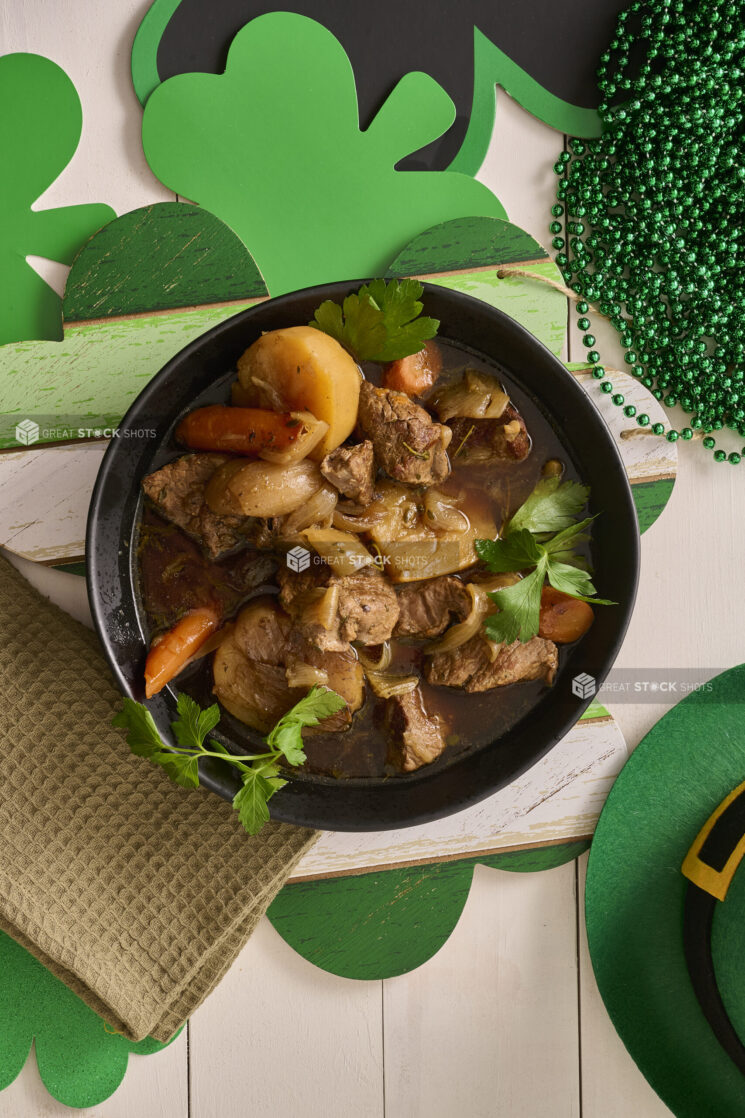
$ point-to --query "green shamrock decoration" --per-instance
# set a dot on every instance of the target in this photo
(273, 147)
(39, 132)
(406, 33)
(80, 1060)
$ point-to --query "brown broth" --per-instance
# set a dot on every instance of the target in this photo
(473, 720)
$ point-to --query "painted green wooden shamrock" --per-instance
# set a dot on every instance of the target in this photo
(274, 148)
(468, 47)
(39, 131)
(80, 1060)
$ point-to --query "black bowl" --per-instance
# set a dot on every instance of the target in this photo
(371, 804)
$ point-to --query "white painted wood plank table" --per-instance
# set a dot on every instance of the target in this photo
(506, 1018)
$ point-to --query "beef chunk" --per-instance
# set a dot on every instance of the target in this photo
(416, 738)
(490, 440)
(351, 470)
(472, 667)
(365, 607)
(368, 607)
(428, 607)
(177, 491)
(177, 576)
(409, 446)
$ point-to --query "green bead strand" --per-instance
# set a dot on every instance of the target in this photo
(653, 210)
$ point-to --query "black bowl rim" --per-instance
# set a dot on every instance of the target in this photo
(362, 805)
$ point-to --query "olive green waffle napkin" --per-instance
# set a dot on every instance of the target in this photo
(138, 894)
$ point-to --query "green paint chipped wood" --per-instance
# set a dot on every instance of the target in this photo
(193, 259)
(466, 243)
(140, 290)
(466, 254)
(87, 382)
(650, 498)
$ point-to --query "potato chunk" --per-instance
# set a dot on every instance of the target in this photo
(302, 369)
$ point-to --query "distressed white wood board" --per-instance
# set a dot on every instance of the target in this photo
(489, 1026)
(647, 457)
(557, 800)
(44, 498)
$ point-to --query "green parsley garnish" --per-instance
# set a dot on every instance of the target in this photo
(381, 322)
(259, 771)
(540, 538)
(553, 505)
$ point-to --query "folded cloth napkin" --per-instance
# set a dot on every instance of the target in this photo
(137, 893)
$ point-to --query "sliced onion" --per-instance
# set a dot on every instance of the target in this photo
(343, 552)
(476, 396)
(458, 634)
(307, 440)
(386, 655)
(481, 607)
(305, 675)
(349, 522)
(318, 511)
(318, 606)
(499, 582)
(386, 685)
(441, 512)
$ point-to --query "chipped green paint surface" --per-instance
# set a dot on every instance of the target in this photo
(383, 924)
(193, 259)
(465, 243)
(89, 380)
(140, 290)
(595, 710)
(650, 498)
(536, 306)
(466, 254)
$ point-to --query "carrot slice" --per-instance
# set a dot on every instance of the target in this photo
(415, 374)
(240, 430)
(563, 619)
(168, 655)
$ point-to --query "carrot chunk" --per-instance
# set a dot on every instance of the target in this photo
(563, 619)
(240, 430)
(168, 655)
(415, 374)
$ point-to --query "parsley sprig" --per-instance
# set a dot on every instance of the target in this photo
(381, 322)
(259, 771)
(541, 538)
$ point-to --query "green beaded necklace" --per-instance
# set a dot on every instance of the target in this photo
(655, 208)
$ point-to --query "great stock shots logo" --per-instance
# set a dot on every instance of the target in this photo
(584, 686)
(27, 432)
(298, 559)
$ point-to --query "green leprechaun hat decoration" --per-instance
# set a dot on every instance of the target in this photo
(665, 902)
